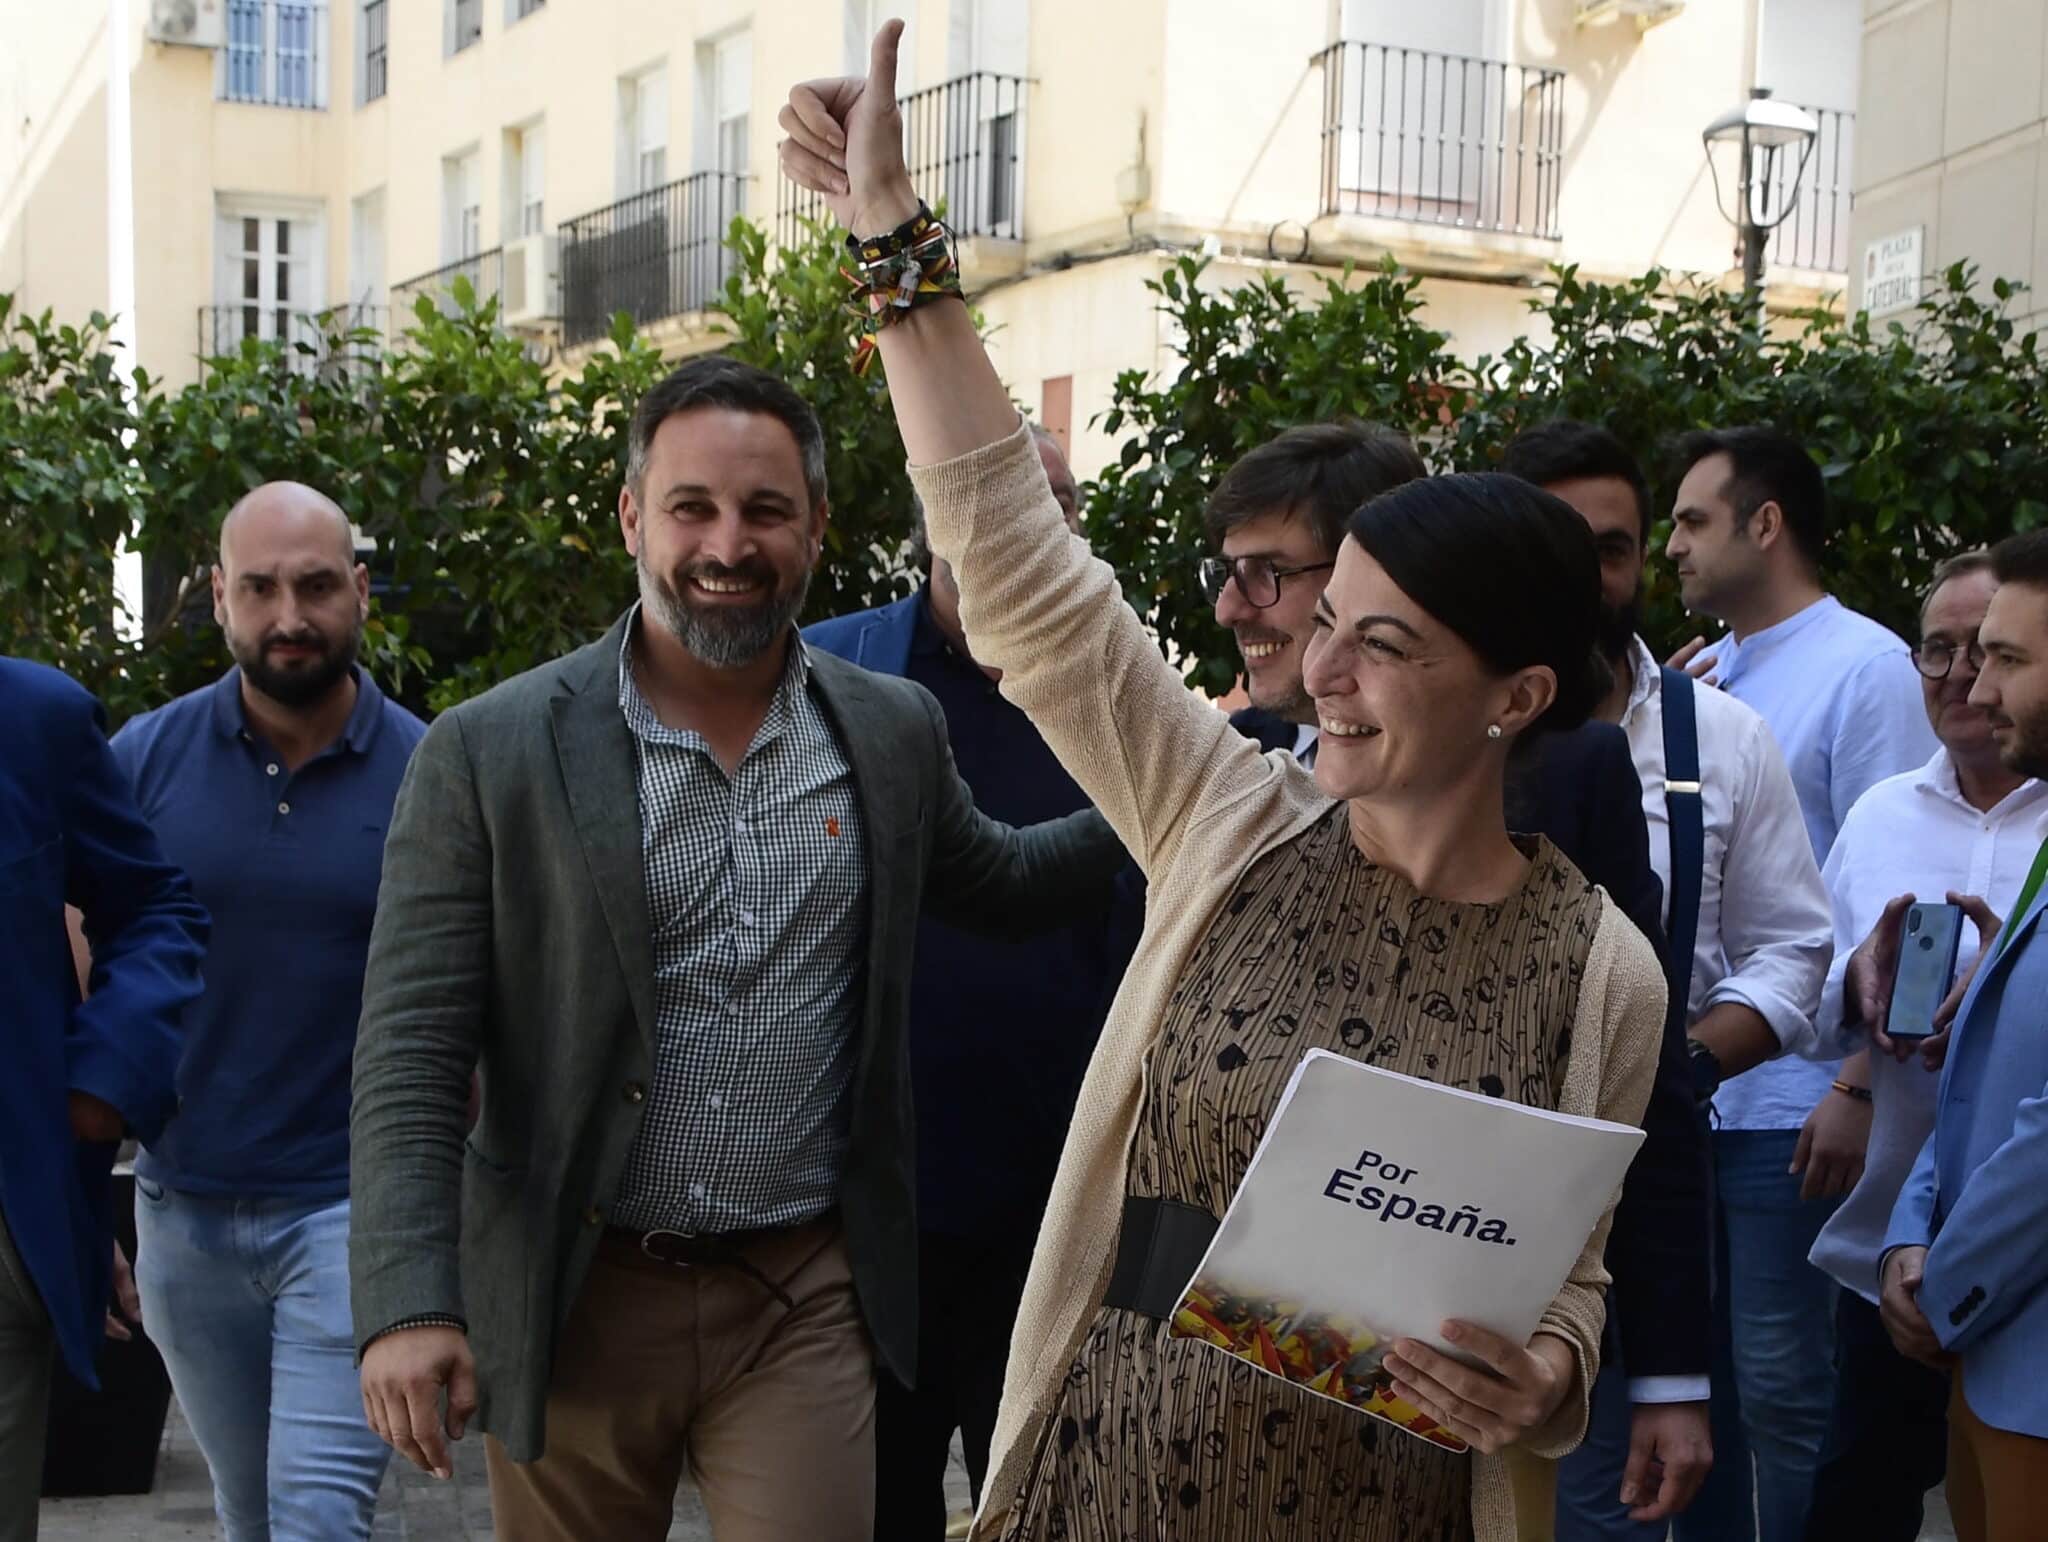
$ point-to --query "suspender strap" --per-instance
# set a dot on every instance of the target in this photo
(1688, 835)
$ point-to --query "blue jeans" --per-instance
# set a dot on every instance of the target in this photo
(1774, 1349)
(248, 1301)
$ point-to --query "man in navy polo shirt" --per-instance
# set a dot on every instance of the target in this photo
(272, 788)
(988, 1018)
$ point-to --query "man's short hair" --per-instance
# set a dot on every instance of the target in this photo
(1565, 450)
(714, 380)
(1960, 566)
(1766, 466)
(1320, 473)
(2022, 559)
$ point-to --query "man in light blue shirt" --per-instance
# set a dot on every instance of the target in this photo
(1843, 701)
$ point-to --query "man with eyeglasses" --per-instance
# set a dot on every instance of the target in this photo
(1276, 520)
(1965, 825)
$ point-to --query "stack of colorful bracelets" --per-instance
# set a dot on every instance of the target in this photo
(890, 275)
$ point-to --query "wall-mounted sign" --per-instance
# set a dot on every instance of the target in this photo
(1892, 267)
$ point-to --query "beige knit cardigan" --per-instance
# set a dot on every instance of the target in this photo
(1195, 803)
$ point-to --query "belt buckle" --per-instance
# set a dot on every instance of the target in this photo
(647, 1246)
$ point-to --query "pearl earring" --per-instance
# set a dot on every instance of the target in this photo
(1493, 730)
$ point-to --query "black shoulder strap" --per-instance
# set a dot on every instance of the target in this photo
(1688, 833)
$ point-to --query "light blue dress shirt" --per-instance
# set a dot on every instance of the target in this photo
(1843, 700)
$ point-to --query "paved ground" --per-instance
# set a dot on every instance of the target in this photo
(414, 1507)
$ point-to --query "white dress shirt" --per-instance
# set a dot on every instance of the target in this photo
(1843, 702)
(1765, 934)
(1913, 834)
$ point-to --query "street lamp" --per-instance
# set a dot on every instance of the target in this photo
(1764, 135)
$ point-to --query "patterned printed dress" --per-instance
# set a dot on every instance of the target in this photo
(1162, 1439)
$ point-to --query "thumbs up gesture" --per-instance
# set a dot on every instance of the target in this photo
(846, 142)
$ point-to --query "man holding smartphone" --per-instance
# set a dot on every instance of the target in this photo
(1964, 824)
(1964, 1273)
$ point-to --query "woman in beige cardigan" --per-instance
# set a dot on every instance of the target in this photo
(1377, 907)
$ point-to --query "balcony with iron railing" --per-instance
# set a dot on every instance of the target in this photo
(313, 341)
(653, 255)
(485, 272)
(963, 142)
(1441, 139)
(1815, 233)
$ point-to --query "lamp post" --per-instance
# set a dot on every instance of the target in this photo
(1763, 136)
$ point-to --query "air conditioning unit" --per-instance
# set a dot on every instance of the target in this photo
(1646, 13)
(532, 274)
(188, 23)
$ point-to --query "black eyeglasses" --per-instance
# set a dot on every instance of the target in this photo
(1935, 658)
(1257, 578)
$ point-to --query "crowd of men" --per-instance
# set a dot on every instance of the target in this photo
(662, 1059)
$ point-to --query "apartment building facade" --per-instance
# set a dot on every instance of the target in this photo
(1954, 162)
(581, 157)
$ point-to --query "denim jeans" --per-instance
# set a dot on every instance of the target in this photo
(248, 1301)
(1774, 1357)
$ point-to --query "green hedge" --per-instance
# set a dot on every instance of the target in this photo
(491, 488)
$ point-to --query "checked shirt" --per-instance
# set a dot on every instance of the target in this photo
(756, 891)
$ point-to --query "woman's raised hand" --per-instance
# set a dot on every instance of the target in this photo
(846, 142)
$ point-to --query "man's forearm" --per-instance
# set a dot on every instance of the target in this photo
(1738, 1036)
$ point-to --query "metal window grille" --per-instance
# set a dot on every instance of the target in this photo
(655, 254)
(1816, 232)
(274, 53)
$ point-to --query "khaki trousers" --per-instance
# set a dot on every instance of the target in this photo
(1997, 1480)
(771, 1407)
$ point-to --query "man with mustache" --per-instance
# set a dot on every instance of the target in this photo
(1754, 907)
(272, 787)
(1276, 518)
(662, 895)
(1964, 1275)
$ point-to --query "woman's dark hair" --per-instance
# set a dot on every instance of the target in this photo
(1509, 568)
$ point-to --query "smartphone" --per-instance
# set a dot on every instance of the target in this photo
(1927, 968)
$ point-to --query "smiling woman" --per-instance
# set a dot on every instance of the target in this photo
(1460, 617)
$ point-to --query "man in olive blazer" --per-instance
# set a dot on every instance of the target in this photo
(514, 937)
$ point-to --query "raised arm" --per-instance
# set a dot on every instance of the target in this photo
(1148, 752)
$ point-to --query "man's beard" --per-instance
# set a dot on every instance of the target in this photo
(309, 681)
(1619, 624)
(723, 636)
(2028, 754)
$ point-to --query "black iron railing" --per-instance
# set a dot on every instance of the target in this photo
(1816, 233)
(274, 53)
(376, 49)
(964, 143)
(655, 254)
(485, 272)
(1441, 138)
(468, 22)
(313, 341)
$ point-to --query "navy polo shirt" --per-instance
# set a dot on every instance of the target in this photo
(996, 1024)
(287, 862)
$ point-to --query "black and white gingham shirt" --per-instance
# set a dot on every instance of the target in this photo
(756, 890)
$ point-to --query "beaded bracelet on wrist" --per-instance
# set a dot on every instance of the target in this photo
(892, 274)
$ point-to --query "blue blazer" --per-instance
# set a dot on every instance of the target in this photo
(877, 639)
(1978, 1196)
(70, 833)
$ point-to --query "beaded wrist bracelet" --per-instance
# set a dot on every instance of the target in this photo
(892, 274)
